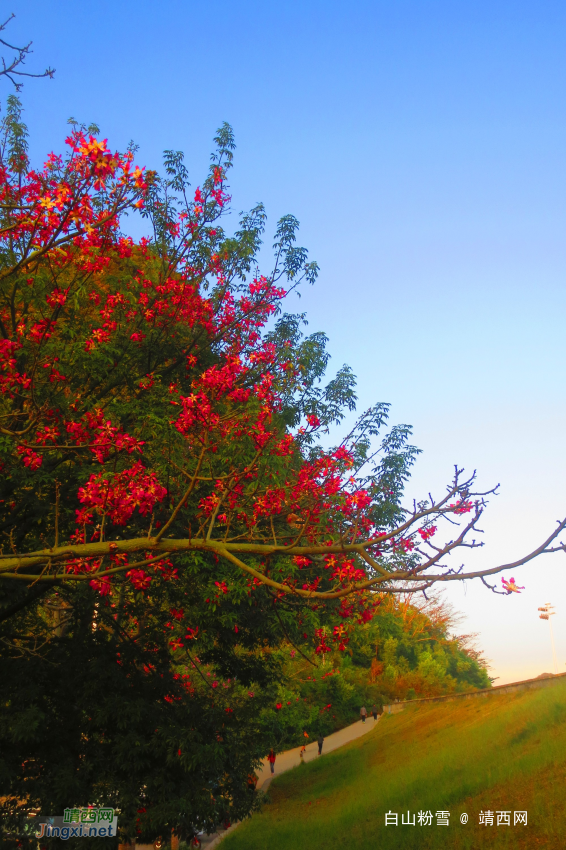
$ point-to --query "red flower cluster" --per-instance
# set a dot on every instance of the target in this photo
(118, 496)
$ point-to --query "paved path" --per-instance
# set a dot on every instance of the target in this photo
(285, 761)
(290, 759)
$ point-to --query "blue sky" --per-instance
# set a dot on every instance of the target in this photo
(421, 145)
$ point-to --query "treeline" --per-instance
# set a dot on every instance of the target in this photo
(409, 650)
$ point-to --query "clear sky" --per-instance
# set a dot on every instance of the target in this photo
(421, 145)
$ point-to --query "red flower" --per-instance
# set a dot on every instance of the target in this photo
(139, 579)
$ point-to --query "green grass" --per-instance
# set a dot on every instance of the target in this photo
(500, 752)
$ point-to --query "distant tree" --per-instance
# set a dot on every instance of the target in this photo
(416, 647)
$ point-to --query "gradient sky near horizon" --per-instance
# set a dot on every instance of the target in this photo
(422, 148)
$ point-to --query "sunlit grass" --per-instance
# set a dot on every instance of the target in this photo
(501, 752)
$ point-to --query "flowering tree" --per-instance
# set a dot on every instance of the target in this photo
(165, 497)
(151, 411)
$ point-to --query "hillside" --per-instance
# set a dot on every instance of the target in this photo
(503, 752)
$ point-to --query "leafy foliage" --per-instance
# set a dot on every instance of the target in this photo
(408, 650)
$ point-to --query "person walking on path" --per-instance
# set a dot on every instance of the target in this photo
(374, 711)
(363, 713)
(271, 760)
(320, 742)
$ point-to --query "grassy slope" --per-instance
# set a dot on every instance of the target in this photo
(501, 752)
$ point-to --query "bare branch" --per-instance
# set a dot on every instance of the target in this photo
(13, 68)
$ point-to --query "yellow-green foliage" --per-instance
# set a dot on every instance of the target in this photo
(495, 752)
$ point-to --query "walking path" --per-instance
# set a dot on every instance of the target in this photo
(286, 761)
(292, 758)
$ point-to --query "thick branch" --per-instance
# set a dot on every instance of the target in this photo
(10, 565)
